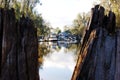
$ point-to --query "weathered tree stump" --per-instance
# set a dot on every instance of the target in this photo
(97, 59)
(18, 47)
(9, 49)
(1, 35)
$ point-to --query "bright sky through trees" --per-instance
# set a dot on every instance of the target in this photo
(62, 12)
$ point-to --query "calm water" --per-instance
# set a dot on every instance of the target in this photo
(59, 60)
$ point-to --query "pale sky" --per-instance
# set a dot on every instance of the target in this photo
(62, 12)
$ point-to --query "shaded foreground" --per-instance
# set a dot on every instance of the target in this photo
(18, 47)
(99, 57)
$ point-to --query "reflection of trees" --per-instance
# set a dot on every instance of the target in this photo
(72, 47)
(58, 48)
(43, 50)
(75, 48)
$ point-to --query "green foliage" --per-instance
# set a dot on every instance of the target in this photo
(26, 8)
(17, 7)
(5, 3)
(113, 5)
(43, 50)
(79, 24)
(57, 30)
(41, 25)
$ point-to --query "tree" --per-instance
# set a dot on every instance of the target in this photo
(43, 27)
(66, 28)
(79, 24)
(113, 5)
(28, 5)
(43, 50)
(26, 8)
(57, 30)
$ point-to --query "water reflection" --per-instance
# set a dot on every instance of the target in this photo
(57, 59)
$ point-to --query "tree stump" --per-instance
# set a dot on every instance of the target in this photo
(18, 47)
(97, 59)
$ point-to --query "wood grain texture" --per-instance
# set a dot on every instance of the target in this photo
(18, 47)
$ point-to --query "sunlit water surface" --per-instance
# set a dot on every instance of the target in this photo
(59, 63)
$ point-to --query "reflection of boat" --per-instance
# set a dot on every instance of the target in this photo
(52, 45)
(58, 44)
(65, 44)
(61, 42)
(73, 41)
(52, 38)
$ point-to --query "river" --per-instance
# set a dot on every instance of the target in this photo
(59, 60)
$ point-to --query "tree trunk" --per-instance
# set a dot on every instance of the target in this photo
(99, 55)
(19, 48)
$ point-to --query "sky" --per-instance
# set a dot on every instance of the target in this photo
(62, 12)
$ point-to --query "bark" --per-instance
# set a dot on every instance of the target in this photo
(18, 50)
(27, 68)
(117, 73)
(1, 34)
